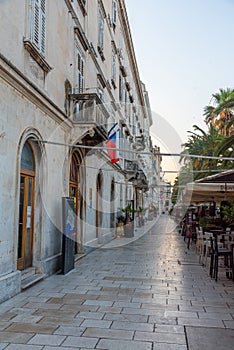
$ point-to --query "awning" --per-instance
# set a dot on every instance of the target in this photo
(206, 192)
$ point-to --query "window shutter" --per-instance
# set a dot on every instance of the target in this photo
(113, 66)
(114, 11)
(43, 27)
(101, 31)
(39, 25)
(80, 73)
(36, 24)
(120, 89)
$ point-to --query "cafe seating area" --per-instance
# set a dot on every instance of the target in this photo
(214, 246)
(207, 222)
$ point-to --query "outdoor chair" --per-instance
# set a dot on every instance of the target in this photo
(205, 248)
(224, 254)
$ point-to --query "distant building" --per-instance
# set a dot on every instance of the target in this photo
(165, 196)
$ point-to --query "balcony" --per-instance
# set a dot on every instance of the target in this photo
(154, 182)
(89, 113)
(141, 181)
(131, 169)
(139, 143)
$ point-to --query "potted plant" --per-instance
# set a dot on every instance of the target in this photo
(120, 226)
(141, 211)
(228, 213)
(203, 222)
(128, 224)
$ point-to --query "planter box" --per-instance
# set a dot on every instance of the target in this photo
(129, 229)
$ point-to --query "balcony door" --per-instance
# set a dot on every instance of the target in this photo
(26, 208)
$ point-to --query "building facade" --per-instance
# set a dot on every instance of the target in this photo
(69, 83)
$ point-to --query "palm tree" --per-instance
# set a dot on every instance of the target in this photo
(226, 149)
(221, 112)
(202, 143)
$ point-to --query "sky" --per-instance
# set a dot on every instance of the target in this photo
(185, 53)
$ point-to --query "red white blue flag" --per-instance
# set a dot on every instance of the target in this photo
(113, 142)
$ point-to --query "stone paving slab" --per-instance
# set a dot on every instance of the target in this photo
(110, 344)
(168, 338)
(133, 297)
(30, 328)
(166, 346)
(133, 326)
(10, 337)
(63, 348)
(108, 333)
(23, 347)
(43, 339)
(210, 339)
(81, 342)
(2, 346)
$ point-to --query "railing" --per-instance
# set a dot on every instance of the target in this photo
(88, 109)
(139, 143)
(130, 166)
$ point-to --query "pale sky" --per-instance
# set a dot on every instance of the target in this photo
(185, 53)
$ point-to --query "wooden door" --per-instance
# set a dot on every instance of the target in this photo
(26, 210)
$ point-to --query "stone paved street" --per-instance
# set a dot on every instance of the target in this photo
(151, 294)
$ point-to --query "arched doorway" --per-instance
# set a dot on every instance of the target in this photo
(26, 208)
(99, 214)
(74, 192)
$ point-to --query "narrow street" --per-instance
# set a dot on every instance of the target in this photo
(151, 294)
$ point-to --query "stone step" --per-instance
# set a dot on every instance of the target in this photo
(31, 271)
(31, 280)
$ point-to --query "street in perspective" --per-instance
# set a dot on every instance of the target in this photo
(117, 175)
(149, 294)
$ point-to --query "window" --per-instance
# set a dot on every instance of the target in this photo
(82, 6)
(120, 89)
(100, 92)
(101, 31)
(35, 40)
(39, 25)
(27, 158)
(113, 67)
(114, 13)
(121, 45)
(79, 73)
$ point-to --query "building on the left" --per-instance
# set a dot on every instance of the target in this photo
(69, 83)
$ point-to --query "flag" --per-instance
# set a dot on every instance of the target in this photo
(113, 142)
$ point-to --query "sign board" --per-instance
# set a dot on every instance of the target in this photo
(69, 233)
